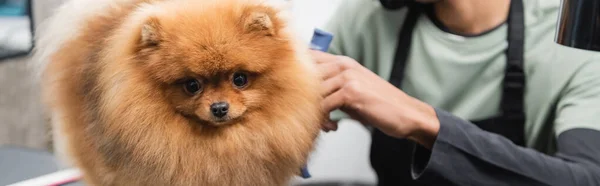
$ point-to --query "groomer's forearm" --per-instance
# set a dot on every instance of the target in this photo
(463, 154)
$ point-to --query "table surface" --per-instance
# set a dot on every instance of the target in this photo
(19, 164)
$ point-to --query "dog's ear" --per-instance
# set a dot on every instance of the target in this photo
(150, 34)
(259, 22)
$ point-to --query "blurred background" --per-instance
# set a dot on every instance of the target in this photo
(15, 29)
(340, 157)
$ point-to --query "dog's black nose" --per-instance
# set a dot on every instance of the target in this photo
(219, 109)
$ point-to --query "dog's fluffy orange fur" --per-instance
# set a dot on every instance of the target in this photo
(113, 78)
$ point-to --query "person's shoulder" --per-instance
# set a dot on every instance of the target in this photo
(360, 7)
(578, 100)
(358, 21)
(541, 11)
(541, 21)
(357, 15)
(565, 69)
(574, 57)
(553, 69)
(541, 6)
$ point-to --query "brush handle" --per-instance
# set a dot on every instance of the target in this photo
(320, 41)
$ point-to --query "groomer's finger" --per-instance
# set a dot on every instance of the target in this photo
(328, 70)
(322, 57)
(335, 83)
(333, 101)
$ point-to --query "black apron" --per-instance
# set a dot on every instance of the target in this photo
(391, 157)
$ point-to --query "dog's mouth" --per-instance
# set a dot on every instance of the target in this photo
(222, 120)
(213, 121)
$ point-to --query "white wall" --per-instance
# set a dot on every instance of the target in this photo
(342, 155)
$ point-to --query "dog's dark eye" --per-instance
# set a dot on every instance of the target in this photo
(240, 80)
(192, 86)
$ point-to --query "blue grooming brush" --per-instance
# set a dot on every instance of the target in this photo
(320, 41)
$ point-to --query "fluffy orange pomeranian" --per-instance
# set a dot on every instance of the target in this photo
(179, 92)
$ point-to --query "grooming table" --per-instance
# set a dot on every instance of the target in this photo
(20, 164)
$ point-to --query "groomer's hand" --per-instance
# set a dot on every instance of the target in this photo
(367, 98)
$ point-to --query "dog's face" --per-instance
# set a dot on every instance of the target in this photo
(215, 98)
(215, 74)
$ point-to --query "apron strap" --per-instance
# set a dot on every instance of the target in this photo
(404, 43)
(512, 119)
(512, 104)
(391, 157)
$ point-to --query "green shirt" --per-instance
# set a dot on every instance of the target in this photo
(463, 75)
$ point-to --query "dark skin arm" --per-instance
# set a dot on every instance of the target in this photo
(487, 158)
(367, 98)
